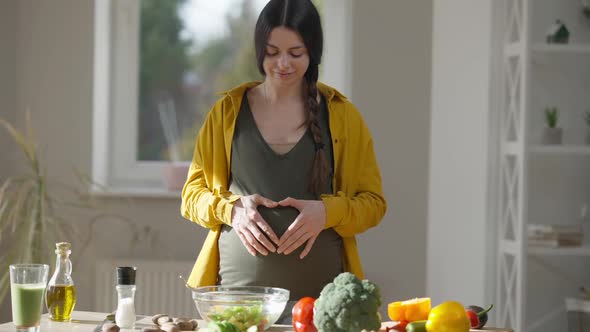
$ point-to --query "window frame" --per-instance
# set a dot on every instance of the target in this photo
(114, 122)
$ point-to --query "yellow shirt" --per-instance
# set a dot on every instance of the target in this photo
(356, 205)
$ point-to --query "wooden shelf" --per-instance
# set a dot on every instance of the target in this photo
(562, 251)
(582, 150)
(579, 49)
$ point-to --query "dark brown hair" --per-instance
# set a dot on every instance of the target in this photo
(302, 17)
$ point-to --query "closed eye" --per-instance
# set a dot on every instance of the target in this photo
(296, 51)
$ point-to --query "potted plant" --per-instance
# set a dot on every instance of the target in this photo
(552, 134)
(33, 210)
(558, 33)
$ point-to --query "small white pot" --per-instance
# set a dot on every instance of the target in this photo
(552, 136)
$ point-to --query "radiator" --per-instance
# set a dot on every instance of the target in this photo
(159, 288)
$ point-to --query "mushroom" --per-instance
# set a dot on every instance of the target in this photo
(161, 319)
(110, 327)
(151, 329)
(170, 327)
(184, 324)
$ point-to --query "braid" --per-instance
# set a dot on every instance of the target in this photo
(320, 169)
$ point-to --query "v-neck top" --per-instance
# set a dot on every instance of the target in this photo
(257, 169)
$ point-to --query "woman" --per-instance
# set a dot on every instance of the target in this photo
(284, 173)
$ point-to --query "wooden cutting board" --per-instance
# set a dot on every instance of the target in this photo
(284, 328)
(287, 328)
(485, 329)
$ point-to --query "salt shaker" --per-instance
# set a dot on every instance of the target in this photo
(125, 315)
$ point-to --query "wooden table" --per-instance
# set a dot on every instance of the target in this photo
(85, 321)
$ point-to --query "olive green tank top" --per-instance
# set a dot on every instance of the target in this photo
(257, 168)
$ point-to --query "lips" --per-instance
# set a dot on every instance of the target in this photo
(284, 74)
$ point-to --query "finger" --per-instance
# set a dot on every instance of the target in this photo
(254, 243)
(298, 243)
(289, 232)
(289, 201)
(246, 244)
(266, 229)
(255, 217)
(294, 237)
(261, 237)
(308, 247)
(260, 200)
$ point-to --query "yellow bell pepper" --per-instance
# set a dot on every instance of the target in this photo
(448, 316)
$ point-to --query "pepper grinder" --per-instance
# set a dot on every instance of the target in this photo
(125, 315)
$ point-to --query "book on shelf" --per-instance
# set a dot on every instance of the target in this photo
(555, 236)
(539, 228)
(554, 243)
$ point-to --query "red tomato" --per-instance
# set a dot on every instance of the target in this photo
(473, 319)
(400, 326)
(303, 315)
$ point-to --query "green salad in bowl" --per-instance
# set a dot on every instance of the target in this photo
(248, 308)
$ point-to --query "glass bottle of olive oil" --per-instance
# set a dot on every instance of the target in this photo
(60, 295)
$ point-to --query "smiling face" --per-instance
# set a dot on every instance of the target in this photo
(286, 58)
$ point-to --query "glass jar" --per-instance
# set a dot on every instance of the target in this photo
(60, 295)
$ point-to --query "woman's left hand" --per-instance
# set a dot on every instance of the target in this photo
(305, 228)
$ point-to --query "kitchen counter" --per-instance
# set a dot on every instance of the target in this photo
(85, 321)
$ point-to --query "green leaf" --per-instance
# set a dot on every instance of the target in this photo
(20, 139)
(4, 283)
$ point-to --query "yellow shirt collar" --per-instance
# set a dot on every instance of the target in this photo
(326, 90)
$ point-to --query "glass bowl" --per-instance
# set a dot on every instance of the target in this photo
(243, 306)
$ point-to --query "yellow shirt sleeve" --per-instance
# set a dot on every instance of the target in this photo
(206, 199)
(359, 204)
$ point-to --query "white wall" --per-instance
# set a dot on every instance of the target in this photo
(459, 235)
(7, 101)
(7, 77)
(337, 48)
(391, 87)
(391, 73)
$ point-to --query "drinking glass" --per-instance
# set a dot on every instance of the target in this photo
(27, 286)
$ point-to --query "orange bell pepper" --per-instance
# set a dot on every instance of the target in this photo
(409, 310)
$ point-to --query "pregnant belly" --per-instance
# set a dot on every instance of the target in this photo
(303, 277)
(279, 218)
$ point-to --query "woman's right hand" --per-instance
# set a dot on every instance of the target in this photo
(252, 230)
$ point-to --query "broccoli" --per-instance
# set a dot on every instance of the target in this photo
(348, 305)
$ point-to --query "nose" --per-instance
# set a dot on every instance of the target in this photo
(283, 61)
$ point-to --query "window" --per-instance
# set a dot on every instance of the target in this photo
(158, 68)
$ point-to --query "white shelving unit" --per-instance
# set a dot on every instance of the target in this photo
(579, 49)
(561, 150)
(545, 183)
(563, 251)
(513, 49)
